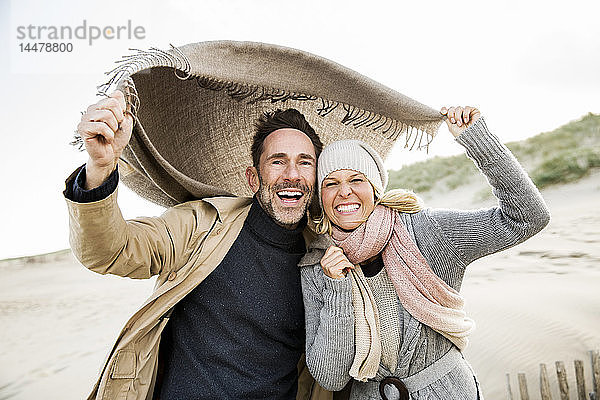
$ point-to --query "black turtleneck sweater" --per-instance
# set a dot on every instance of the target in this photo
(240, 333)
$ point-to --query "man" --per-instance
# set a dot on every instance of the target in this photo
(227, 303)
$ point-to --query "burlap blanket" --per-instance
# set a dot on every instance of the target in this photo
(195, 107)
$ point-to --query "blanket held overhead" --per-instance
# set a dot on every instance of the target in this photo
(194, 108)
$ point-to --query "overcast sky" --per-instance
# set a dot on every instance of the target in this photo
(530, 66)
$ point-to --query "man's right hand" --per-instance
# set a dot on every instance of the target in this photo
(105, 129)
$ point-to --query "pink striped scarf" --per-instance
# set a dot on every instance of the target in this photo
(422, 293)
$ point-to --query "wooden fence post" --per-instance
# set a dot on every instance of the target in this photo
(523, 387)
(510, 395)
(561, 373)
(579, 378)
(595, 356)
(544, 384)
(563, 383)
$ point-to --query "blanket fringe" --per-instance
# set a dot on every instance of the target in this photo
(144, 59)
(356, 117)
(120, 77)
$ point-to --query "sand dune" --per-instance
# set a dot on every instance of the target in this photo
(538, 302)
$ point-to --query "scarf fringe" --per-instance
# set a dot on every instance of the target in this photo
(417, 135)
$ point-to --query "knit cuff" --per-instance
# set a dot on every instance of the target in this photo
(481, 145)
(337, 295)
(75, 187)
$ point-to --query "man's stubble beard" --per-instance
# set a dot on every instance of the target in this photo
(286, 218)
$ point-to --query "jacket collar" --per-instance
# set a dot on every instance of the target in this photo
(228, 206)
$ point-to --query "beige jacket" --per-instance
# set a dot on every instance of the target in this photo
(182, 247)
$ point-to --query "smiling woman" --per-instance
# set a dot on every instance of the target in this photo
(348, 198)
(381, 289)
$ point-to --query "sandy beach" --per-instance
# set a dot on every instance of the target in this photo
(537, 302)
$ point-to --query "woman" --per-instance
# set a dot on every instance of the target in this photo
(381, 293)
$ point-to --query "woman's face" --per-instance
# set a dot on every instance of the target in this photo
(348, 198)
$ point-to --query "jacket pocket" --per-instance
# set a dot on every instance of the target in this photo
(121, 375)
(124, 365)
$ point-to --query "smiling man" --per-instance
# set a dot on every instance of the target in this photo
(283, 184)
(227, 312)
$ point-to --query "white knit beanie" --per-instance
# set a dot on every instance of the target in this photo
(355, 155)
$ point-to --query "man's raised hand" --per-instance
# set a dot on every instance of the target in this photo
(105, 129)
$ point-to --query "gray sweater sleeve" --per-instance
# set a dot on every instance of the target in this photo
(520, 213)
(329, 327)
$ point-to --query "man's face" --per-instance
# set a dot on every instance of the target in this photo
(285, 180)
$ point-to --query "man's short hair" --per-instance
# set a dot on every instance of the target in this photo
(270, 121)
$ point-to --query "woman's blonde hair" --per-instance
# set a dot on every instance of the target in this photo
(401, 200)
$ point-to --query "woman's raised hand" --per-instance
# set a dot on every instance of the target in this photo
(335, 264)
(460, 118)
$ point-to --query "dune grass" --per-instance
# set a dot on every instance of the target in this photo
(563, 155)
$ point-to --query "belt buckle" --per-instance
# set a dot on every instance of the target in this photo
(397, 383)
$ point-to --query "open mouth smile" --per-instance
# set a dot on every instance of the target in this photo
(347, 208)
(290, 197)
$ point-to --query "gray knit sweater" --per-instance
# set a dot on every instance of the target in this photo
(449, 241)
